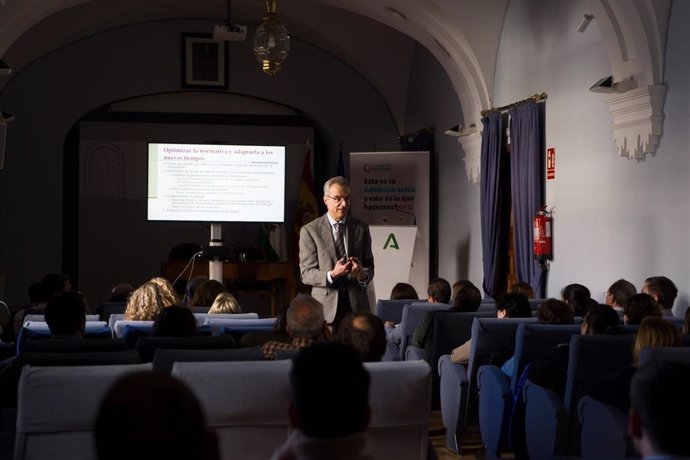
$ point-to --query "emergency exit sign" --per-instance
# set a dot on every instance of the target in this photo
(550, 163)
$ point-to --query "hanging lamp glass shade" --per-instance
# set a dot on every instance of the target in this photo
(271, 42)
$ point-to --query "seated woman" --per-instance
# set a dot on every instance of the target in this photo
(145, 303)
(403, 291)
(168, 293)
(225, 303)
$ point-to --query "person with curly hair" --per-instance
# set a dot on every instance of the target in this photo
(145, 304)
(168, 293)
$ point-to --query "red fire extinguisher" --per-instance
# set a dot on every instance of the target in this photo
(543, 235)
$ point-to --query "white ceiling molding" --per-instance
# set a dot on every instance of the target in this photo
(635, 36)
(472, 145)
(638, 120)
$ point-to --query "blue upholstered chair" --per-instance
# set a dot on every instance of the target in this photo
(451, 329)
(552, 427)
(391, 310)
(604, 431)
(57, 406)
(411, 317)
(458, 388)
(496, 389)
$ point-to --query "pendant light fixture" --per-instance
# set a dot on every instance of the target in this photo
(271, 42)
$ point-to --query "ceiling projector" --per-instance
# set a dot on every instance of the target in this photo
(230, 32)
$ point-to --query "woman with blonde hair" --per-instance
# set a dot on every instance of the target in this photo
(167, 292)
(225, 303)
(145, 303)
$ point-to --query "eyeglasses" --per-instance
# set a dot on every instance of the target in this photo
(340, 199)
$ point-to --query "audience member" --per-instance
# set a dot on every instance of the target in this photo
(168, 293)
(614, 389)
(206, 293)
(438, 291)
(522, 288)
(149, 415)
(145, 303)
(554, 311)
(325, 426)
(658, 396)
(65, 315)
(364, 331)
(456, 287)
(638, 307)
(577, 296)
(550, 370)
(121, 293)
(467, 300)
(513, 305)
(225, 303)
(618, 293)
(39, 294)
(404, 291)
(175, 321)
(663, 290)
(305, 325)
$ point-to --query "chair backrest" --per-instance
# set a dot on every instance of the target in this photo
(121, 327)
(604, 430)
(201, 317)
(534, 303)
(72, 345)
(489, 335)
(412, 315)
(165, 358)
(40, 330)
(85, 358)
(113, 318)
(391, 310)
(451, 329)
(591, 357)
(399, 426)
(246, 403)
(221, 326)
(533, 340)
(57, 407)
(656, 354)
(147, 346)
(105, 309)
(40, 318)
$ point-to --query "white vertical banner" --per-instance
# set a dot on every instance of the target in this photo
(392, 189)
(393, 247)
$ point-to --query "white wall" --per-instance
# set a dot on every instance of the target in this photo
(432, 100)
(614, 217)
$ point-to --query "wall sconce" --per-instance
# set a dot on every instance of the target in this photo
(586, 19)
(271, 42)
(607, 85)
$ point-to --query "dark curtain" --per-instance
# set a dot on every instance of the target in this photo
(527, 187)
(494, 202)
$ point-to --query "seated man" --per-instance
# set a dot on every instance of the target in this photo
(305, 324)
(663, 290)
(364, 331)
(657, 397)
(147, 415)
(438, 291)
(65, 315)
(638, 307)
(330, 411)
(618, 293)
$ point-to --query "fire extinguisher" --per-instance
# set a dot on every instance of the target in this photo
(543, 235)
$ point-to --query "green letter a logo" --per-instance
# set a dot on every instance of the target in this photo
(391, 242)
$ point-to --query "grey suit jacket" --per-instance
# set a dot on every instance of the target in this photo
(317, 256)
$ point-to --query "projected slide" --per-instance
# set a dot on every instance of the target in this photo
(216, 183)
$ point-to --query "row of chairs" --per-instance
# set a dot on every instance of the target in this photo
(246, 404)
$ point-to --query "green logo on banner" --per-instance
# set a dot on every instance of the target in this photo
(391, 242)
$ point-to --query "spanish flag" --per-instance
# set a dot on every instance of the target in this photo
(307, 207)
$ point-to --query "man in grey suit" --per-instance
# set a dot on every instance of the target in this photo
(335, 256)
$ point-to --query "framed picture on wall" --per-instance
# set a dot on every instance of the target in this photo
(204, 62)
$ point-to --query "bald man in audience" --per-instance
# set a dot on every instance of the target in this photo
(305, 325)
(365, 332)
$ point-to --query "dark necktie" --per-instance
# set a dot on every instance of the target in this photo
(340, 240)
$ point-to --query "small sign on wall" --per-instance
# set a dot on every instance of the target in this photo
(550, 163)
